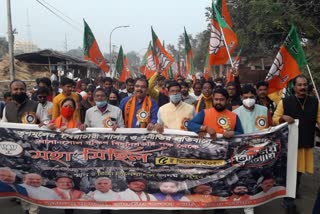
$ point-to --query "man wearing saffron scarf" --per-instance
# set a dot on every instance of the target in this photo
(139, 110)
(217, 119)
(205, 100)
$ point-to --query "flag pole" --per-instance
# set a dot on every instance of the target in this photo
(314, 85)
(225, 43)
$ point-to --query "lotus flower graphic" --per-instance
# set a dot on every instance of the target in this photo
(216, 40)
(276, 68)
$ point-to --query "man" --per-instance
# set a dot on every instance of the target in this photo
(66, 85)
(7, 179)
(46, 83)
(32, 182)
(217, 119)
(176, 114)
(267, 186)
(21, 109)
(262, 96)
(135, 191)
(104, 191)
(306, 109)
(205, 101)
(44, 109)
(186, 97)
(64, 189)
(107, 84)
(129, 89)
(139, 110)
(239, 192)
(197, 90)
(103, 114)
(234, 100)
(161, 97)
(253, 117)
(6, 98)
(202, 193)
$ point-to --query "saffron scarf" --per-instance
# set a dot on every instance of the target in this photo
(202, 103)
(129, 111)
(70, 124)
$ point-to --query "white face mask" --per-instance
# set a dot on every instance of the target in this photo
(249, 102)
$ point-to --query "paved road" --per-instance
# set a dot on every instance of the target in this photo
(309, 188)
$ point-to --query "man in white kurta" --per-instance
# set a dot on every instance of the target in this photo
(176, 113)
(104, 191)
(135, 191)
(32, 182)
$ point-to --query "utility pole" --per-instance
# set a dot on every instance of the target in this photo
(11, 41)
(65, 43)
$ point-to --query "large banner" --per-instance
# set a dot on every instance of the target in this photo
(136, 169)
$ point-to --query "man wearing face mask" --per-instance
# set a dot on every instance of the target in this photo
(176, 114)
(102, 114)
(217, 119)
(253, 117)
(22, 110)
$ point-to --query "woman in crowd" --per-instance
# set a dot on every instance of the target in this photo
(65, 120)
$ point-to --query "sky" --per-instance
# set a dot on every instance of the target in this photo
(168, 17)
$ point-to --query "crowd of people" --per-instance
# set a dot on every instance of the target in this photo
(206, 107)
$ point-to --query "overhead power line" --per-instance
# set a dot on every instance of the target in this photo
(59, 11)
(60, 17)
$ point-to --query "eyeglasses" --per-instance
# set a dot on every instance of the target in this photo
(42, 97)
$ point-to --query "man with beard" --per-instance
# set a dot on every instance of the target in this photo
(217, 119)
(306, 109)
(136, 191)
(262, 96)
(21, 109)
(129, 89)
(239, 192)
(186, 97)
(139, 110)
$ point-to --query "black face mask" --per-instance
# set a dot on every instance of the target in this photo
(113, 102)
(19, 98)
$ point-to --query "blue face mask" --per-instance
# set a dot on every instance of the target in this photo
(175, 98)
(101, 103)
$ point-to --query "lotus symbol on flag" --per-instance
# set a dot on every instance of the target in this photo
(163, 60)
(216, 40)
(276, 68)
(151, 65)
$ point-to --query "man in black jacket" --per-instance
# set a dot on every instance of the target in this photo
(306, 109)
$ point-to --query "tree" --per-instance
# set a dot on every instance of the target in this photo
(78, 53)
(4, 46)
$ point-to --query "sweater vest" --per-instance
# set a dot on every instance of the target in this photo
(220, 121)
(26, 113)
(307, 118)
